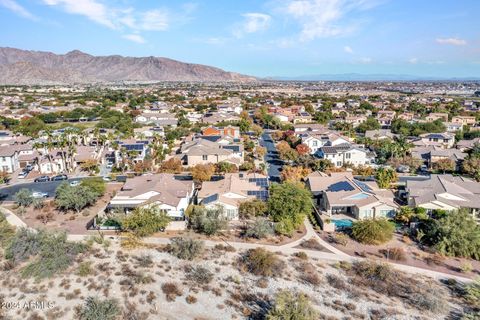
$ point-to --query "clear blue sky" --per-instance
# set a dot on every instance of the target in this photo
(261, 38)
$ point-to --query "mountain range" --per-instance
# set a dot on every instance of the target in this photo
(23, 67)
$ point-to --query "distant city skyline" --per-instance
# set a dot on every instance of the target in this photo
(276, 38)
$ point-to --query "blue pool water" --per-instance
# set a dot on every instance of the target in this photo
(341, 224)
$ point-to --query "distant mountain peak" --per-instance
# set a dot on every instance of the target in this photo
(35, 67)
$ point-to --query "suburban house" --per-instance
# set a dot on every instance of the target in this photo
(444, 140)
(135, 150)
(455, 155)
(164, 190)
(9, 159)
(465, 145)
(437, 116)
(341, 193)
(445, 192)
(453, 127)
(346, 153)
(379, 134)
(464, 120)
(213, 118)
(232, 190)
(231, 131)
(385, 118)
(316, 140)
(203, 151)
(157, 118)
(309, 127)
(355, 121)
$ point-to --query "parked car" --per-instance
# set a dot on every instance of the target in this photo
(60, 177)
(75, 183)
(107, 179)
(42, 179)
(22, 175)
(403, 169)
(109, 166)
(38, 194)
(28, 168)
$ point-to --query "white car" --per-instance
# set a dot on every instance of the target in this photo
(22, 175)
(39, 195)
(74, 183)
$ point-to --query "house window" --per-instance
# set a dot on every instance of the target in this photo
(205, 157)
(315, 143)
(339, 163)
(231, 213)
(348, 155)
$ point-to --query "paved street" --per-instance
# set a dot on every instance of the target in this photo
(271, 158)
(7, 193)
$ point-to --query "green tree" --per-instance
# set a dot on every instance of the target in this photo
(370, 124)
(405, 214)
(23, 197)
(288, 205)
(373, 231)
(456, 234)
(74, 198)
(252, 208)
(96, 185)
(385, 177)
(471, 166)
(144, 222)
(292, 306)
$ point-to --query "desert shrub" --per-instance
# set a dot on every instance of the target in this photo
(397, 254)
(199, 275)
(221, 247)
(373, 231)
(191, 299)
(84, 269)
(185, 248)
(291, 305)
(144, 261)
(260, 228)
(209, 221)
(262, 262)
(466, 267)
(23, 197)
(472, 293)
(96, 309)
(95, 184)
(301, 255)
(339, 238)
(171, 290)
(423, 295)
(38, 203)
(336, 282)
(51, 251)
(7, 232)
(76, 198)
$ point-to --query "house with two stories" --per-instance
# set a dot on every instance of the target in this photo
(203, 151)
(346, 153)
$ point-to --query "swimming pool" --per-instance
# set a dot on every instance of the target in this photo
(341, 224)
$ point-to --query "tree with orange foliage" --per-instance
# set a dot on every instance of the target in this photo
(172, 165)
(203, 172)
(294, 173)
(302, 149)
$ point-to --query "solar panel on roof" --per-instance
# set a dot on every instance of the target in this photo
(261, 195)
(261, 182)
(209, 199)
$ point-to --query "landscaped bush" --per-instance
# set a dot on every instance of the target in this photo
(144, 222)
(260, 228)
(207, 221)
(96, 309)
(291, 305)
(339, 238)
(75, 198)
(185, 248)
(252, 208)
(472, 293)
(373, 231)
(261, 262)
